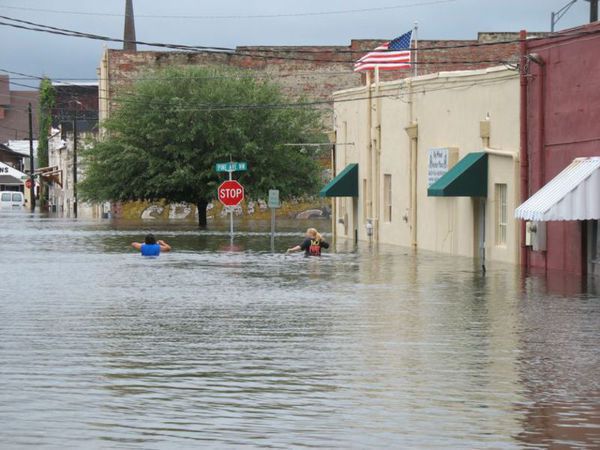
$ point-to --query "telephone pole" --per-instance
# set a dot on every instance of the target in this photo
(31, 165)
(75, 166)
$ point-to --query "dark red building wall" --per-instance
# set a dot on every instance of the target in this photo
(563, 123)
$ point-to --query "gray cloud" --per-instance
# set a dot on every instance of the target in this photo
(62, 57)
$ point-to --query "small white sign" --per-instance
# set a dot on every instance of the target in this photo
(274, 199)
(438, 164)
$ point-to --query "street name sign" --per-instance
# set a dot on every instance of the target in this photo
(230, 193)
(231, 167)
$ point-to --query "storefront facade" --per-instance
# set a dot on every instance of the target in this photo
(436, 163)
(560, 110)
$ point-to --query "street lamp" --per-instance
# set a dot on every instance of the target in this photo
(556, 16)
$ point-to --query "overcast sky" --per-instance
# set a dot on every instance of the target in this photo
(67, 57)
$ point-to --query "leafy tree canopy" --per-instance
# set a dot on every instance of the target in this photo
(47, 102)
(166, 134)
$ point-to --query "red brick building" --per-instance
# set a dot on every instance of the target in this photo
(14, 120)
(560, 121)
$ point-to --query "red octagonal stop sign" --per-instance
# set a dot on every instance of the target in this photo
(231, 193)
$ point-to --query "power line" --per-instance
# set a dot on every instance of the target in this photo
(458, 84)
(260, 52)
(238, 16)
(24, 85)
(124, 94)
(230, 50)
(33, 26)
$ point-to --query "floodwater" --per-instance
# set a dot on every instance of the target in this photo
(219, 347)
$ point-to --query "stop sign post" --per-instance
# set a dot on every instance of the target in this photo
(231, 192)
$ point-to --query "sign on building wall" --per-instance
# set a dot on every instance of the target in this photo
(440, 161)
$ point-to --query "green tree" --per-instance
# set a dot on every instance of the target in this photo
(168, 131)
(47, 99)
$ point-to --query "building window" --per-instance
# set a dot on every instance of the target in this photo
(387, 197)
(501, 214)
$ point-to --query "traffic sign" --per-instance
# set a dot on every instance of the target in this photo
(231, 167)
(274, 199)
(230, 193)
(28, 183)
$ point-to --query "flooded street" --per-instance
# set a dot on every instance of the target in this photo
(220, 347)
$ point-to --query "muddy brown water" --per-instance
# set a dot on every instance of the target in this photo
(219, 347)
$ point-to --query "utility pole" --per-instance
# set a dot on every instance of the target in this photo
(75, 166)
(31, 168)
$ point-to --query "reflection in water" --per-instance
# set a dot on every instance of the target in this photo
(558, 364)
(367, 348)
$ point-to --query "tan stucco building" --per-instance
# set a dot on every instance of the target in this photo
(437, 163)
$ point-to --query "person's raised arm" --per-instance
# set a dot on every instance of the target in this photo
(164, 247)
(136, 245)
(295, 249)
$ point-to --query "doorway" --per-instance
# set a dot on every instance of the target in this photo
(593, 248)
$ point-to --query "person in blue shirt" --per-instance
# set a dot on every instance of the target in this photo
(151, 247)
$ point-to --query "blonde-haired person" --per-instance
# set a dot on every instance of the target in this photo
(312, 244)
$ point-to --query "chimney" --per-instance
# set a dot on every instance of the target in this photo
(129, 32)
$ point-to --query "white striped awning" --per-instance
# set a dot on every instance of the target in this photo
(574, 194)
(11, 176)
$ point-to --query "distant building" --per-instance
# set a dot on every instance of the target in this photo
(11, 158)
(14, 119)
(76, 110)
(76, 100)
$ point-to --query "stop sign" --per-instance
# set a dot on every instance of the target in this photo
(28, 183)
(231, 193)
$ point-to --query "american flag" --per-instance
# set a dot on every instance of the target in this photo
(389, 56)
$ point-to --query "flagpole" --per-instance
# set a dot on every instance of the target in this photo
(416, 50)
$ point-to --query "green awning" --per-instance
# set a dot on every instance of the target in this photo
(468, 178)
(344, 185)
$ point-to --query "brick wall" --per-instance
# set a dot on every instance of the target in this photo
(314, 72)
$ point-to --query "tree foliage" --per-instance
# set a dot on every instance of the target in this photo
(165, 136)
(47, 101)
(47, 98)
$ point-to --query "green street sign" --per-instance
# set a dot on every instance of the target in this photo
(231, 167)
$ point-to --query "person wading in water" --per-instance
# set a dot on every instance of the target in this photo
(151, 247)
(312, 245)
